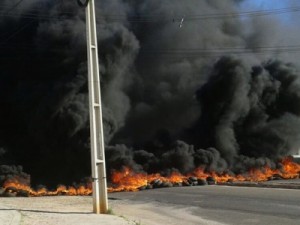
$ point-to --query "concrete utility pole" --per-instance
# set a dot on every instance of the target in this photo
(100, 202)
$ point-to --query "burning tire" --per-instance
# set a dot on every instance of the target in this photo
(1, 191)
(10, 192)
(201, 182)
(156, 183)
(211, 181)
(177, 184)
(23, 193)
(166, 184)
(193, 181)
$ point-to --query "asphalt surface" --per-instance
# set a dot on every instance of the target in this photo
(221, 204)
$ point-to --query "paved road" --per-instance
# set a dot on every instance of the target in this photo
(222, 204)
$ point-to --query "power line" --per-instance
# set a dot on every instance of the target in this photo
(16, 32)
(158, 18)
(14, 6)
(208, 53)
(6, 12)
(194, 53)
(189, 50)
(154, 18)
(190, 53)
(225, 48)
(247, 14)
(34, 12)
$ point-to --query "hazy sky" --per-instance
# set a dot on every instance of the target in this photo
(291, 17)
(269, 4)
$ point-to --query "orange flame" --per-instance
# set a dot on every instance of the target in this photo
(61, 189)
(128, 180)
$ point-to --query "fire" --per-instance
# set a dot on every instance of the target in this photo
(129, 180)
(290, 168)
(13, 185)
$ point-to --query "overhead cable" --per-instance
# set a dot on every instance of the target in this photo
(13, 7)
(155, 18)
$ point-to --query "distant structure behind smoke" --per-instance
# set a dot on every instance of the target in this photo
(166, 107)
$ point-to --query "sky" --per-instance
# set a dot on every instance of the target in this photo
(289, 18)
(268, 4)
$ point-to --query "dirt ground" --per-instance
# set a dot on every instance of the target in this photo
(77, 210)
(60, 210)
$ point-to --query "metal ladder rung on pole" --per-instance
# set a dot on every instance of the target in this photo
(100, 202)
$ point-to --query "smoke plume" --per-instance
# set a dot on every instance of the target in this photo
(168, 103)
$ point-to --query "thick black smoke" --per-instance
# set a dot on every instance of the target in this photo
(250, 111)
(163, 109)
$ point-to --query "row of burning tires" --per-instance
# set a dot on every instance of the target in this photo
(194, 181)
(191, 181)
(13, 192)
(157, 183)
